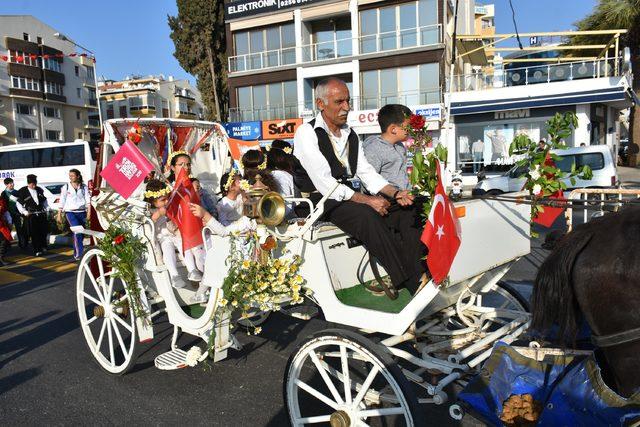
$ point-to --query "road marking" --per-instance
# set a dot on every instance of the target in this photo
(7, 277)
(62, 251)
(18, 260)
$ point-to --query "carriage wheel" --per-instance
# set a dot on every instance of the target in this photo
(342, 378)
(107, 321)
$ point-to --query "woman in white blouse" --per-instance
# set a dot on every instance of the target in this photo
(74, 201)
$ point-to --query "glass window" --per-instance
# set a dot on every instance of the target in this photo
(427, 12)
(20, 159)
(244, 98)
(565, 163)
(389, 86)
(323, 39)
(288, 44)
(594, 160)
(273, 46)
(369, 85)
(51, 112)
(24, 109)
(256, 47)
(259, 96)
(275, 94)
(388, 28)
(241, 43)
(290, 98)
(343, 36)
(368, 30)
(26, 133)
(429, 83)
(410, 88)
(408, 34)
(52, 135)
(72, 155)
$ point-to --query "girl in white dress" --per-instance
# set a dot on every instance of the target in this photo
(230, 207)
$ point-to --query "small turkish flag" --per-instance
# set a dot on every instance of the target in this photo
(179, 213)
(441, 233)
(548, 216)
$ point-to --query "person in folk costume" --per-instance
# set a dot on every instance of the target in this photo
(10, 195)
(328, 154)
(32, 205)
(5, 230)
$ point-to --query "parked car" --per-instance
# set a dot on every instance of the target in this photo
(598, 157)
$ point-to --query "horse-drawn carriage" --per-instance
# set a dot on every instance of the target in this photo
(389, 357)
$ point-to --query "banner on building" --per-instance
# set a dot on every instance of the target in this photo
(242, 8)
(246, 131)
(238, 147)
(280, 129)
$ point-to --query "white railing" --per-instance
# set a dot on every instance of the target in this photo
(340, 48)
(535, 74)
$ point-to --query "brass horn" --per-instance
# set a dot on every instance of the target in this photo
(271, 209)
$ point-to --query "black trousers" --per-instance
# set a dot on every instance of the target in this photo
(37, 228)
(17, 222)
(402, 257)
(4, 245)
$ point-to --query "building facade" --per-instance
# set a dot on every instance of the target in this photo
(50, 98)
(150, 96)
(386, 51)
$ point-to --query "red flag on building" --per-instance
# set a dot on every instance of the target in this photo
(127, 169)
(441, 233)
(178, 211)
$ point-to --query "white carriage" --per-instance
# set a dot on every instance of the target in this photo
(388, 357)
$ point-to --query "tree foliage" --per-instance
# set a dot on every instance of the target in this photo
(198, 26)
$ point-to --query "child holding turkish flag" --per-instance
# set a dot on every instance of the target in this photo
(169, 237)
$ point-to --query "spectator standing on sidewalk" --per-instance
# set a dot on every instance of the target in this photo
(10, 195)
(75, 199)
(32, 205)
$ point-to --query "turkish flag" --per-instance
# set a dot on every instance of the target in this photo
(179, 213)
(548, 216)
(441, 233)
(127, 169)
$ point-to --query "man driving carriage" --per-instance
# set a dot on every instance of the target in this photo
(329, 152)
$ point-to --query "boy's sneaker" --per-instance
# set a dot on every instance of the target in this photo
(177, 282)
(195, 276)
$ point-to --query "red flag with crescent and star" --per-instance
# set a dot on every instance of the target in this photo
(179, 213)
(441, 233)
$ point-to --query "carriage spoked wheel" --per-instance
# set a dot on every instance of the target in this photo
(104, 309)
(342, 378)
(381, 284)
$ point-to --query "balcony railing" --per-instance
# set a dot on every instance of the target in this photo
(537, 74)
(342, 48)
(409, 98)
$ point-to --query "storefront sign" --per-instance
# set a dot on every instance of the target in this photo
(243, 8)
(280, 129)
(247, 131)
(363, 118)
(429, 112)
(512, 114)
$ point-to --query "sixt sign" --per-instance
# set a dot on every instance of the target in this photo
(246, 131)
(244, 8)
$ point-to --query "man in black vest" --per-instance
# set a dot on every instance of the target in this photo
(32, 204)
(329, 152)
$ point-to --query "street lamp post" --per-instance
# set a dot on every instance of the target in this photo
(62, 37)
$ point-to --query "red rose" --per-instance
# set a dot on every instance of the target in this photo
(118, 239)
(417, 122)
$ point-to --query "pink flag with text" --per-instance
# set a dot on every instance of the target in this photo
(127, 169)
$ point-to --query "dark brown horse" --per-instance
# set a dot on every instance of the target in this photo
(594, 275)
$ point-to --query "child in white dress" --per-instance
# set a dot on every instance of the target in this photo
(231, 205)
(168, 236)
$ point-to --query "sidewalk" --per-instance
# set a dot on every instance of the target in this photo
(23, 265)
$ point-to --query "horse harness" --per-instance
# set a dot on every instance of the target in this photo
(618, 338)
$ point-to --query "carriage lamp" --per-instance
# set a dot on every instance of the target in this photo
(266, 207)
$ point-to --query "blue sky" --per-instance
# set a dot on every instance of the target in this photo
(133, 36)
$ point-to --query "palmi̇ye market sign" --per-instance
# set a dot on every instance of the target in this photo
(243, 8)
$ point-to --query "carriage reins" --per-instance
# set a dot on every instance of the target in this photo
(618, 338)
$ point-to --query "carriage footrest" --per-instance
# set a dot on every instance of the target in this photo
(174, 359)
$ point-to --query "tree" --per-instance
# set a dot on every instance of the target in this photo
(198, 34)
(617, 14)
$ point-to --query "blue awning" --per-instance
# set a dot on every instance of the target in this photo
(617, 93)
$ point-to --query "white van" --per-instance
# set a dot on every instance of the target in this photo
(598, 157)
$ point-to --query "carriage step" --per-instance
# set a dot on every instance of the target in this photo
(174, 359)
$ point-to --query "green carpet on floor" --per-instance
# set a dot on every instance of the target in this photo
(194, 310)
(359, 296)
